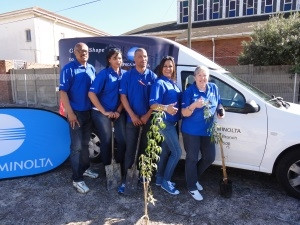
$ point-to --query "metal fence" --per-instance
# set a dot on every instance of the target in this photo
(39, 87)
(30, 88)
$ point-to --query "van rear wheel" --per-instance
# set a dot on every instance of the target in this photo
(94, 148)
(288, 173)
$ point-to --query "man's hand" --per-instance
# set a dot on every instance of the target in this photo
(72, 118)
(145, 118)
(136, 120)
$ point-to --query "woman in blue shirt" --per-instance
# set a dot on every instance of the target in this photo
(199, 104)
(104, 94)
(166, 96)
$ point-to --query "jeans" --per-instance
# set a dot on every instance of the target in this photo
(132, 133)
(80, 137)
(171, 152)
(104, 131)
(193, 167)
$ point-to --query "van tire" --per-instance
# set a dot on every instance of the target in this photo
(288, 168)
(94, 149)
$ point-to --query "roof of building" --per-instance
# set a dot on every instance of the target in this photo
(235, 27)
(39, 12)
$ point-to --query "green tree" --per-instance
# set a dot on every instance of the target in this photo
(277, 42)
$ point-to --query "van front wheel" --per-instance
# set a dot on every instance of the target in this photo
(288, 173)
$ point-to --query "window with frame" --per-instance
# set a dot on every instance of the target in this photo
(200, 10)
(215, 9)
(287, 5)
(249, 7)
(28, 35)
(268, 6)
(184, 11)
(232, 8)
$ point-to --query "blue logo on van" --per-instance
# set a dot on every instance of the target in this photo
(130, 53)
(32, 141)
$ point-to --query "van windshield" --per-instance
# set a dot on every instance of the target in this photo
(255, 90)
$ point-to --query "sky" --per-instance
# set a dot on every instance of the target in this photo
(111, 16)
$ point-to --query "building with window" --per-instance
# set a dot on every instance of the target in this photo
(218, 26)
(31, 35)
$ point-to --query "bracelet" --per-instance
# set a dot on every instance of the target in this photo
(162, 108)
(166, 108)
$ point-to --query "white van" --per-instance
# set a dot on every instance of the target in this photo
(260, 133)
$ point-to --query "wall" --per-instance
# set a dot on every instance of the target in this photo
(13, 40)
(5, 81)
(45, 35)
(48, 33)
(226, 50)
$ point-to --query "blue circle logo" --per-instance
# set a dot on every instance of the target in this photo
(130, 54)
(12, 134)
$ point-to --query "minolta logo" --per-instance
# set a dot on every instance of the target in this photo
(12, 134)
(32, 141)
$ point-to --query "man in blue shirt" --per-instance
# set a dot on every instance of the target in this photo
(75, 80)
(135, 92)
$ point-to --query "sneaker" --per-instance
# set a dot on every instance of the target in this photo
(121, 189)
(159, 180)
(90, 173)
(81, 187)
(199, 186)
(168, 187)
(196, 195)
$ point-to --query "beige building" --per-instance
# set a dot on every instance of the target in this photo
(31, 35)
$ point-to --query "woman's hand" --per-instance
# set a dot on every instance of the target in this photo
(171, 109)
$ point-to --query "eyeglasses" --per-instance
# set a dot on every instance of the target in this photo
(168, 58)
(82, 51)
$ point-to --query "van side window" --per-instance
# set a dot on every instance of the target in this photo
(187, 78)
(232, 100)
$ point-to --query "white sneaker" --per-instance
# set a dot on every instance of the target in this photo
(196, 195)
(199, 186)
(81, 187)
(90, 173)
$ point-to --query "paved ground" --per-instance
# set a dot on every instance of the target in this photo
(50, 199)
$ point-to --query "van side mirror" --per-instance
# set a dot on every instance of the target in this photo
(251, 107)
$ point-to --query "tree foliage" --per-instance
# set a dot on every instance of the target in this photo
(277, 42)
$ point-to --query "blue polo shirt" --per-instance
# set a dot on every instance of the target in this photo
(75, 79)
(106, 87)
(136, 87)
(165, 91)
(196, 124)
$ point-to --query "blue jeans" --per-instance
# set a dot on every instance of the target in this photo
(171, 152)
(104, 131)
(132, 133)
(193, 167)
(80, 137)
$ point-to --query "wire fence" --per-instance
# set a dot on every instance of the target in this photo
(39, 87)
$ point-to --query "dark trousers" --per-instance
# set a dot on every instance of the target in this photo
(80, 137)
(194, 167)
(104, 131)
(132, 133)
